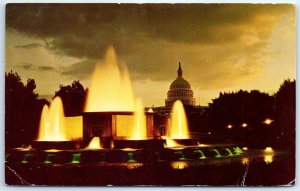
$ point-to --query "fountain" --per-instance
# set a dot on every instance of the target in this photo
(52, 132)
(110, 88)
(112, 113)
(52, 124)
(114, 128)
(139, 131)
(178, 133)
(179, 127)
(94, 144)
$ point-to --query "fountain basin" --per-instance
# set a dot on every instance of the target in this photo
(61, 145)
(186, 142)
(140, 144)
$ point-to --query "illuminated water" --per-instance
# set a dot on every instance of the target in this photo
(110, 87)
(52, 122)
(139, 129)
(229, 152)
(94, 144)
(202, 155)
(218, 155)
(179, 126)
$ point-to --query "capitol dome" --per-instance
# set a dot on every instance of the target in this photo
(180, 89)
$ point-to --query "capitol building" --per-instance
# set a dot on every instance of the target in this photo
(180, 89)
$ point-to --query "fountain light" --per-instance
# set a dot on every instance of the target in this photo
(150, 110)
(52, 123)
(139, 130)
(245, 148)
(76, 158)
(268, 158)
(129, 149)
(94, 144)
(179, 164)
(269, 150)
(237, 150)
(268, 121)
(179, 126)
(110, 87)
(170, 143)
(245, 160)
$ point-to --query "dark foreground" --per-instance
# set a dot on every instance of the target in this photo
(248, 170)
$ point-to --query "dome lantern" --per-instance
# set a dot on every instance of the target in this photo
(179, 71)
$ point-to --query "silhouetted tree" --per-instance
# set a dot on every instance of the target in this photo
(73, 97)
(22, 110)
(251, 108)
(285, 107)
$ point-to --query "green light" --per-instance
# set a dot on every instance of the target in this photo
(49, 156)
(218, 155)
(202, 156)
(26, 156)
(180, 155)
(76, 158)
(238, 151)
(130, 157)
(229, 152)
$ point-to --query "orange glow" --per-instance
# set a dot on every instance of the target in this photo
(52, 150)
(110, 88)
(245, 148)
(269, 150)
(129, 149)
(94, 144)
(124, 123)
(268, 155)
(179, 126)
(268, 158)
(244, 125)
(170, 142)
(268, 121)
(245, 160)
(229, 126)
(52, 123)
(150, 110)
(139, 131)
(179, 164)
(73, 127)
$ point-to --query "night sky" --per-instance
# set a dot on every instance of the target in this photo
(222, 47)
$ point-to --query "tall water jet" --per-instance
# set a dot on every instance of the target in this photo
(179, 127)
(52, 123)
(110, 88)
(139, 131)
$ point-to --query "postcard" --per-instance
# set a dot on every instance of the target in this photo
(150, 94)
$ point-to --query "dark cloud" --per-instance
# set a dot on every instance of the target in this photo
(46, 68)
(86, 30)
(80, 70)
(30, 46)
(218, 44)
(25, 66)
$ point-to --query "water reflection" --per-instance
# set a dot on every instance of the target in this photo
(245, 160)
(268, 158)
(268, 155)
(179, 164)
